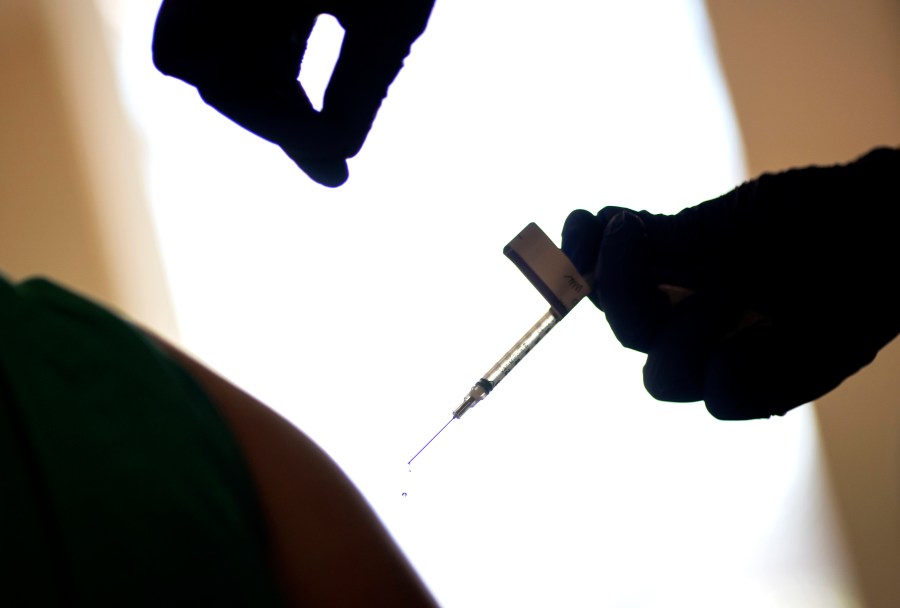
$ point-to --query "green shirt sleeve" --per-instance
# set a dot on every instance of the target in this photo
(122, 484)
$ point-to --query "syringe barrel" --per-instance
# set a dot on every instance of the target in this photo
(508, 361)
(521, 348)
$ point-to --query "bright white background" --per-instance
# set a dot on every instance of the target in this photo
(364, 314)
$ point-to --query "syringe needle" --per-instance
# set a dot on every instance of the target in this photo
(498, 372)
(430, 440)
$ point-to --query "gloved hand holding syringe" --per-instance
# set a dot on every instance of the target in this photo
(556, 278)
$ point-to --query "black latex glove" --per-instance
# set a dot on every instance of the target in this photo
(758, 301)
(244, 58)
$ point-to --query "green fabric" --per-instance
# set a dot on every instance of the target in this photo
(119, 482)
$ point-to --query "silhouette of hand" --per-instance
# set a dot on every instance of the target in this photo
(758, 301)
(243, 56)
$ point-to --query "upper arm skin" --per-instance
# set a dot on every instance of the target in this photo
(327, 545)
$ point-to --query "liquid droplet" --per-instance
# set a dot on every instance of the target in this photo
(404, 495)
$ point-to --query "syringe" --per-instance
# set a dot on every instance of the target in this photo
(506, 363)
(554, 276)
(501, 368)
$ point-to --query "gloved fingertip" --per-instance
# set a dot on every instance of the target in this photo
(662, 385)
(747, 376)
(581, 240)
(579, 223)
(608, 212)
(330, 173)
(575, 219)
(730, 410)
(327, 173)
(624, 224)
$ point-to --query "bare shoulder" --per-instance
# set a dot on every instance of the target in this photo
(327, 545)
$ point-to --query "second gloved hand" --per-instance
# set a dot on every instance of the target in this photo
(243, 56)
(760, 300)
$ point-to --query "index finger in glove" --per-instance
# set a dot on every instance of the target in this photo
(581, 236)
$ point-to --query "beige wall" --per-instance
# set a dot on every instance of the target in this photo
(818, 81)
(71, 199)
